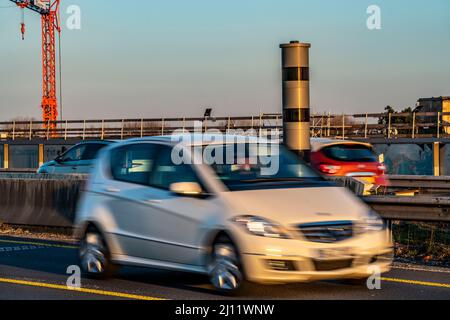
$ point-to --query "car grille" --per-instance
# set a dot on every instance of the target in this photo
(327, 232)
(321, 265)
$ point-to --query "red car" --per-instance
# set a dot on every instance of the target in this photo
(348, 158)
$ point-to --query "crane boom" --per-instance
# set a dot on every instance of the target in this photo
(32, 5)
(49, 11)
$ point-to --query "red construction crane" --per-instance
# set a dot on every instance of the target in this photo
(49, 11)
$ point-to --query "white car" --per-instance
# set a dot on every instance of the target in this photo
(228, 221)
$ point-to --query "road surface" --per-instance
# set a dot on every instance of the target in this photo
(36, 269)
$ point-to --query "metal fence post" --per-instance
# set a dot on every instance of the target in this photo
(14, 131)
(48, 129)
(31, 130)
(276, 124)
(389, 125)
(260, 124)
(414, 125)
(365, 126)
(121, 130)
(65, 131)
(142, 128)
(321, 125)
(162, 126)
(41, 154)
(103, 129)
(6, 156)
(329, 125)
(84, 129)
(343, 126)
(436, 159)
(438, 135)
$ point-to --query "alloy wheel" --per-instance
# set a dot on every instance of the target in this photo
(224, 270)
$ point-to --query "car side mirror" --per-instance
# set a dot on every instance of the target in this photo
(187, 189)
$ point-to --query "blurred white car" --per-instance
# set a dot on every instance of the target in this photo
(225, 220)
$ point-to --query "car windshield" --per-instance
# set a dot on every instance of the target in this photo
(350, 153)
(252, 166)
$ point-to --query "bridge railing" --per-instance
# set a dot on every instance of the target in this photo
(371, 125)
(129, 128)
(382, 125)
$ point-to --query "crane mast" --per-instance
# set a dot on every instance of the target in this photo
(49, 11)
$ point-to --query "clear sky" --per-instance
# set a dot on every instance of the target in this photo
(139, 58)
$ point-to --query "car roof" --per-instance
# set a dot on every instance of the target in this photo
(98, 141)
(198, 139)
(320, 143)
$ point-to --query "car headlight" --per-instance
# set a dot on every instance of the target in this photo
(372, 222)
(261, 227)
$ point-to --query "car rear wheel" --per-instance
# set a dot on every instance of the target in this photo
(94, 255)
(225, 269)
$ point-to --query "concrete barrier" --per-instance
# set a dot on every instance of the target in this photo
(39, 200)
(357, 187)
(50, 200)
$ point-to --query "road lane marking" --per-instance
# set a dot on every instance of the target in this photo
(41, 244)
(20, 248)
(419, 283)
(82, 290)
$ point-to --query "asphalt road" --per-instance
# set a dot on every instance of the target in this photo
(36, 269)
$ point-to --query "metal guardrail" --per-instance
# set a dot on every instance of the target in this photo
(17, 171)
(426, 209)
(358, 126)
(421, 184)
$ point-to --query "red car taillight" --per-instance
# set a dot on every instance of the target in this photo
(329, 169)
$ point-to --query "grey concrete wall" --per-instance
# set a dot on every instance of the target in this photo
(39, 200)
(445, 160)
(407, 159)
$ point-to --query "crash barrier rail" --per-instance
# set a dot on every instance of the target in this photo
(50, 201)
(419, 184)
(25, 170)
(363, 126)
(419, 208)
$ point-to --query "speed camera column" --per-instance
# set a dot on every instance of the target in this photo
(296, 103)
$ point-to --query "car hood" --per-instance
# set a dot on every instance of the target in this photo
(298, 205)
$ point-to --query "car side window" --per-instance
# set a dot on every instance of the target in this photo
(166, 172)
(74, 154)
(92, 150)
(133, 163)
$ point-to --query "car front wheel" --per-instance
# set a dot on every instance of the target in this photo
(225, 269)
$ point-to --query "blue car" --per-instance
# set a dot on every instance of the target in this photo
(79, 159)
